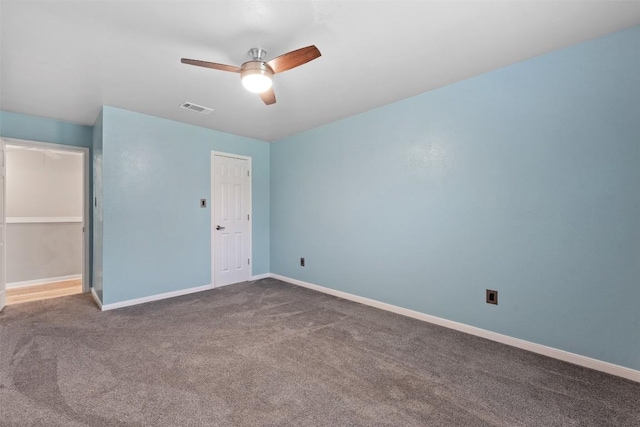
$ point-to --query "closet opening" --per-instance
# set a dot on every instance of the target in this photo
(46, 237)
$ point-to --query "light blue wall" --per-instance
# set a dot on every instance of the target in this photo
(97, 207)
(32, 128)
(154, 173)
(24, 126)
(525, 180)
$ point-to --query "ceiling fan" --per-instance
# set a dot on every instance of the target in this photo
(257, 75)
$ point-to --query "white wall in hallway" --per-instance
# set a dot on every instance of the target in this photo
(43, 183)
(44, 214)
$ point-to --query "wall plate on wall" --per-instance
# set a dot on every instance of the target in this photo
(492, 297)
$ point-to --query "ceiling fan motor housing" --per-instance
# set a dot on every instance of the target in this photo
(257, 53)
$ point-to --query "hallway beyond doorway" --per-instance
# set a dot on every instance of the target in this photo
(44, 291)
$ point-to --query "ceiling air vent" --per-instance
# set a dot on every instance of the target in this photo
(197, 108)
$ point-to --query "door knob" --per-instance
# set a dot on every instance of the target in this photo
(219, 228)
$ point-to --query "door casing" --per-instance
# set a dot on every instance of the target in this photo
(212, 208)
(3, 227)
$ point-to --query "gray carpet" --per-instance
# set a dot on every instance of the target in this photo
(271, 354)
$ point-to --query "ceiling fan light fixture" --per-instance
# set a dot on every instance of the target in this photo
(257, 77)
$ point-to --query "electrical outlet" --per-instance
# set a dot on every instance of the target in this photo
(492, 297)
(301, 262)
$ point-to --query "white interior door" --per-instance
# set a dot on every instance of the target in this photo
(231, 219)
(2, 226)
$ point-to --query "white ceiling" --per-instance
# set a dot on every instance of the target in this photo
(64, 59)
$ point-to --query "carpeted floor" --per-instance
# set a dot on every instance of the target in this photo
(271, 354)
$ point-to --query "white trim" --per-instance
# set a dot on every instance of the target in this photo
(136, 301)
(41, 219)
(35, 282)
(87, 205)
(226, 284)
(3, 226)
(39, 149)
(576, 359)
(260, 276)
(43, 145)
(212, 211)
(96, 299)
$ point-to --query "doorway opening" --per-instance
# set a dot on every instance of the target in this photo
(46, 239)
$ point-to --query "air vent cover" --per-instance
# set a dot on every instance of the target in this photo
(195, 107)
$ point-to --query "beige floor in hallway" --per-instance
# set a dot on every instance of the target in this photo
(44, 291)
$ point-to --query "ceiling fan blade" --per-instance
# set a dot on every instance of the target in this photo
(294, 58)
(269, 97)
(213, 65)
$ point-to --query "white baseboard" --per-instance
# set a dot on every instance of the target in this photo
(555, 353)
(136, 301)
(42, 281)
(251, 279)
(95, 298)
(222, 286)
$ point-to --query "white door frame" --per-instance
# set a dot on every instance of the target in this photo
(3, 231)
(212, 208)
(86, 277)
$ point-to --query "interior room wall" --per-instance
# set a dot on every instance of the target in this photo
(43, 184)
(156, 237)
(33, 128)
(524, 180)
(43, 252)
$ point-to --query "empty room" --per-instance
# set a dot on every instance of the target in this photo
(320, 213)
